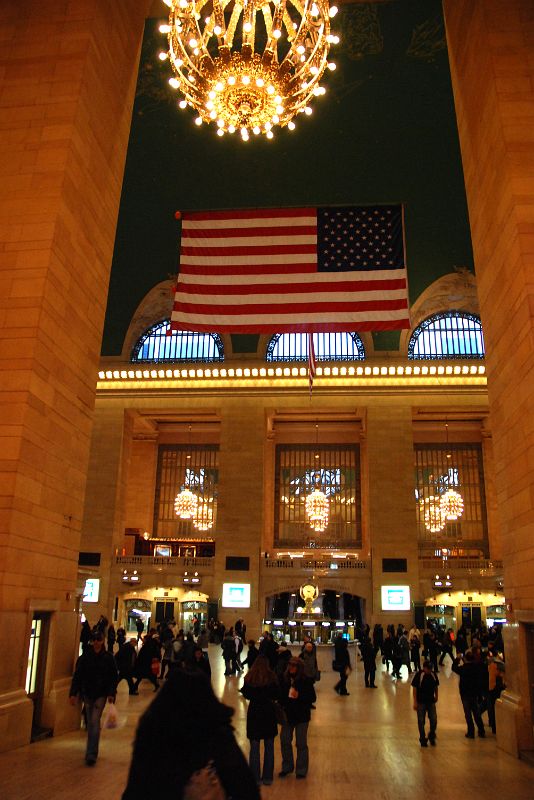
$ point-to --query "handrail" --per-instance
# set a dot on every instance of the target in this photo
(165, 561)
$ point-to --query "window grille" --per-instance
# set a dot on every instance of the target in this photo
(328, 347)
(454, 334)
(463, 472)
(338, 470)
(185, 466)
(156, 346)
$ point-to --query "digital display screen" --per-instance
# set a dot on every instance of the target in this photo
(92, 590)
(236, 595)
(395, 598)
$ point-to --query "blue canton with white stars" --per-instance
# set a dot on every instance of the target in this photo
(359, 238)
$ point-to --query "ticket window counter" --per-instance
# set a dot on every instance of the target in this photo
(444, 616)
(321, 632)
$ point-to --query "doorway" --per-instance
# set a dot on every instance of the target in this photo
(36, 671)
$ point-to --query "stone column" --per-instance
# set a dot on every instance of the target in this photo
(392, 517)
(67, 81)
(240, 507)
(492, 65)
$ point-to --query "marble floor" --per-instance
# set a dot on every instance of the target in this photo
(362, 745)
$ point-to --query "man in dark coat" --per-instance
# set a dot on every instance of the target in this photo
(341, 664)
(125, 659)
(94, 681)
(425, 696)
(471, 687)
(369, 662)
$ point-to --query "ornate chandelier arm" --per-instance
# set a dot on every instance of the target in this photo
(268, 19)
(232, 25)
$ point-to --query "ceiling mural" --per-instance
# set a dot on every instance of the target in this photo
(385, 132)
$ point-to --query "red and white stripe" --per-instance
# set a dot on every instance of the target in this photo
(255, 271)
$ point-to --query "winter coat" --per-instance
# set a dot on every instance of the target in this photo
(169, 747)
(310, 664)
(261, 715)
(125, 659)
(149, 651)
(95, 675)
(297, 709)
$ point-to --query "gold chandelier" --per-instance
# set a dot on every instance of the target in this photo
(452, 504)
(203, 516)
(434, 515)
(248, 65)
(317, 510)
(185, 502)
(451, 501)
(317, 505)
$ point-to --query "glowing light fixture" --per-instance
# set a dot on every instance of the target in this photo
(317, 505)
(203, 516)
(434, 516)
(185, 502)
(251, 64)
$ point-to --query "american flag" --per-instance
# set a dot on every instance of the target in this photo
(295, 269)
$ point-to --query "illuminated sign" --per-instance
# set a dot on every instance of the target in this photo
(395, 598)
(92, 590)
(236, 595)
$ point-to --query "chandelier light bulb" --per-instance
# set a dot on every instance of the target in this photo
(291, 126)
(198, 121)
(220, 132)
(163, 56)
(255, 77)
(174, 83)
(331, 66)
(333, 11)
(269, 134)
(182, 104)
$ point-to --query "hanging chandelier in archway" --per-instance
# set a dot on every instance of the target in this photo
(317, 505)
(451, 501)
(203, 516)
(248, 65)
(186, 502)
(434, 515)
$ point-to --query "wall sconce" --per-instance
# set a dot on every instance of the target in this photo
(130, 577)
(191, 579)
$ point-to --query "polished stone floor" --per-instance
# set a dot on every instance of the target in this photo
(365, 745)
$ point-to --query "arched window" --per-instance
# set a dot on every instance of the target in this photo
(328, 347)
(454, 334)
(156, 346)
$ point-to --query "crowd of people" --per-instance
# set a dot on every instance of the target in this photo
(280, 689)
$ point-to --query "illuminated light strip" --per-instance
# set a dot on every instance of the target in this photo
(415, 371)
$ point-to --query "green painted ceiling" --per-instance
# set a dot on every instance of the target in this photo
(384, 132)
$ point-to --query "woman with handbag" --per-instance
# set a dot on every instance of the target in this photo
(297, 696)
(185, 747)
(261, 688)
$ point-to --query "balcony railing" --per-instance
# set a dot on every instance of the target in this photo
(315, 564)
(163, 561)
(440, 565)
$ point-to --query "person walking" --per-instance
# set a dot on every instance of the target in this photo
(297, 696)
(471, 688)
(425, 696)
(185, 739)
(125, 658)
(260, 687)
(341, 664)
(148, 662)
(369, 662)
(95, 682)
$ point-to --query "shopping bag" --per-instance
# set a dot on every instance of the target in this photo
(111, 719)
